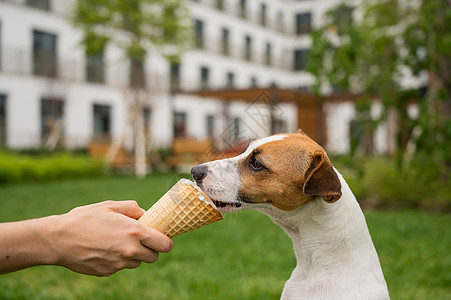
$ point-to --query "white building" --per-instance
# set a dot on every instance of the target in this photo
(48, 85)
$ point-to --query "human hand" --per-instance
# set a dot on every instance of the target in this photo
(103, 238)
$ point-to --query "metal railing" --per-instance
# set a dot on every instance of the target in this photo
(61, 8)
(58, 69)
(273, 22)
(20, 62)
(283, 61)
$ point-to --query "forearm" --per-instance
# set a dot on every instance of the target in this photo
(26, 243)
(98, 239)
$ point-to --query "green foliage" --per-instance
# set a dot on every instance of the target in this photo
(18, 167)
(134, 25)
(94, 44)
(380, 182)
(427, 38)
(371, 54)
(348, 55)
(245, 256)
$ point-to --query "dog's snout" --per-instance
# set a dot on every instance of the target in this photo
(199, 173)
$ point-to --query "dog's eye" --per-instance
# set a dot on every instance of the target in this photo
(256, 165)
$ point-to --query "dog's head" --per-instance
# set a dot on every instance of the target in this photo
(284, 171)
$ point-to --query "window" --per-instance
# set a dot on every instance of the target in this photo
(52, 112)
(147, 112)
(225, 42)
(343, 15)
(300, 59)
(243, 9)
(204, 78)
(180, 125)
(95, 68)
(263, 14)
(360, 137)
(220, 4)
(281, 22)
(279, 126)
(44, 54)
(253, 81)
(102, 122)
(175, 77)
(137, 73)
(199, 33)
(2, 121)
(41, 4)
(248, 48)
(235, 130)
(303, 23)
(303, 89)
(230, 80)
(268, 50)
(1, 46)
(210, 126)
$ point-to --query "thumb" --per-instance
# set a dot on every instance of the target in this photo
(128, 208)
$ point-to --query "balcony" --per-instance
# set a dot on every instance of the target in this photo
(19, 62)
(283, 61)
(276, 23)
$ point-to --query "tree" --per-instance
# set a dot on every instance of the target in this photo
(427, 38)
(370, 54)
(135, 26)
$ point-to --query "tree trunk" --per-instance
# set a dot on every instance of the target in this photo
(138, 88)
(140, 138)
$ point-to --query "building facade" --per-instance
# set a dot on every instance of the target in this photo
(52, 93)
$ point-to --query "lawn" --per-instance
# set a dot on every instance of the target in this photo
(243, 257)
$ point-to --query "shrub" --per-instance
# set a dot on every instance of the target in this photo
(380, 182)
(19, 167)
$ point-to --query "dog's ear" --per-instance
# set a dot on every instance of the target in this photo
(300, 131)
(321, 179)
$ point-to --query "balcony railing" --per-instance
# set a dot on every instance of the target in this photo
(19, 62)
(117, 74)
(62, 8)
(282, 60)
(273, 22)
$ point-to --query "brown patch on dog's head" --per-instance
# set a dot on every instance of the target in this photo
(288, 173)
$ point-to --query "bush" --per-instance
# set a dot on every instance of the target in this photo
(19, 167)
(380, 182)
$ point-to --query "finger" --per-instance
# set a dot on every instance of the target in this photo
(147, 255)
(155, 240)
(128, 208)
(133, 263)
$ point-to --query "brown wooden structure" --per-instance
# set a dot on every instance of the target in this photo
(310, 112)
(121, 160)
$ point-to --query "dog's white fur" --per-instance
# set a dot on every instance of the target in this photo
(223, 181)
(336, 258)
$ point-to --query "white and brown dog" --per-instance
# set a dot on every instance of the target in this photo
(290, 178)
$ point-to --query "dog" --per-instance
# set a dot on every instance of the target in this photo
(290, 178)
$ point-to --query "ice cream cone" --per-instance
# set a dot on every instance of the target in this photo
(183, 208)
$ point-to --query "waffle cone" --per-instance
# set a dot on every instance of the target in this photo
(183, 208)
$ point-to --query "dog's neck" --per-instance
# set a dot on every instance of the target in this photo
(331, 241)
(329, 234)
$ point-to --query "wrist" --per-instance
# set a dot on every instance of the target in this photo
(47, 231)
(28, 243)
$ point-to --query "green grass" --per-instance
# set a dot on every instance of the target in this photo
(243, 257)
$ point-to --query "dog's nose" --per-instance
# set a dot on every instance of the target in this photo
(199, 173)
